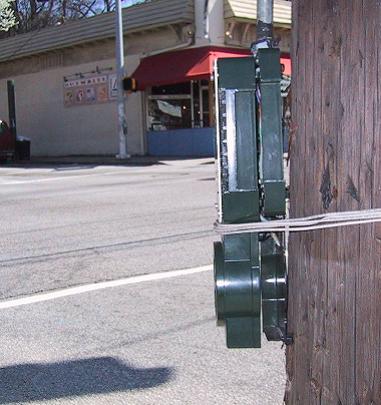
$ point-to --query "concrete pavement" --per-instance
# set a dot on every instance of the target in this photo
(152, 342)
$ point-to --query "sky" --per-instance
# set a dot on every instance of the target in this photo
(127, 3)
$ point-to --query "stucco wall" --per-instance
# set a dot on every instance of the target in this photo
(58, 130)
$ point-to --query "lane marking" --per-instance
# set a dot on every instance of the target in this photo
(35, 298)
(57, 178)
(65, 177)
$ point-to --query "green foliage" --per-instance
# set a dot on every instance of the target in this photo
(7, 16)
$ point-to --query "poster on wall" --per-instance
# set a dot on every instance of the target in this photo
(90, 95)
(87, 90)
(102, 93)
(68, 98)
(79, 95)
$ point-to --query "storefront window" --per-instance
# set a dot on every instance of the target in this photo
(183, 105)
(166, 113)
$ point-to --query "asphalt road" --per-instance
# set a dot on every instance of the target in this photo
(148, 341)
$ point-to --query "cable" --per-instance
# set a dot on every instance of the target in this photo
(311, 223)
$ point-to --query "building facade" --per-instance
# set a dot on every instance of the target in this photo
(65, 76)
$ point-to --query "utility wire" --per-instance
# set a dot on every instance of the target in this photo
(312, 223)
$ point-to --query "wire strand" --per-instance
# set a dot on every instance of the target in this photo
(311, 223)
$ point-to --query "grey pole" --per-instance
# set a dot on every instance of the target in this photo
(12, 107)
(264, 19)
(122, 123)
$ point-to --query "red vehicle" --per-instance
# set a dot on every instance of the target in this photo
(7, 142)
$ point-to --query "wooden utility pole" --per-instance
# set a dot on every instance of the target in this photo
(335, 275)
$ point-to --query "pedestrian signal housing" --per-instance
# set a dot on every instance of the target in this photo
(130, 84)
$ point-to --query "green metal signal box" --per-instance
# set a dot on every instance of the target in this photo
(250, 268)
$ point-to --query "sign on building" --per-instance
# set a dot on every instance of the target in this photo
(113, 86)
(92, 89)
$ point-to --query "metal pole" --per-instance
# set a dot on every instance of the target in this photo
(12, 107)
(122, 122)
(264, 19)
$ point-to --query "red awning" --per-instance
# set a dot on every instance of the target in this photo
(187, 64)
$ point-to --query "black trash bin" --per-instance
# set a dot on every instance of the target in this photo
(22, 149)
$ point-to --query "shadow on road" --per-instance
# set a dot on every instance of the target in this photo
(37, 382)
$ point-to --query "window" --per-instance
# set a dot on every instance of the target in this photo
(183, 105)
(169, 112)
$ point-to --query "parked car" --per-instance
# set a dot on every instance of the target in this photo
(7, 142)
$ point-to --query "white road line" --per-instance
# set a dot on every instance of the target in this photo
(65, 177)
(32, 299)
(57, 178)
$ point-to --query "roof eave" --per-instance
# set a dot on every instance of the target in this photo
(94, 40)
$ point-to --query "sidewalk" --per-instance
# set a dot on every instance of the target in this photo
(97, 160)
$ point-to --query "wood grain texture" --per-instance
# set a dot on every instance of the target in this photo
(335, 275)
